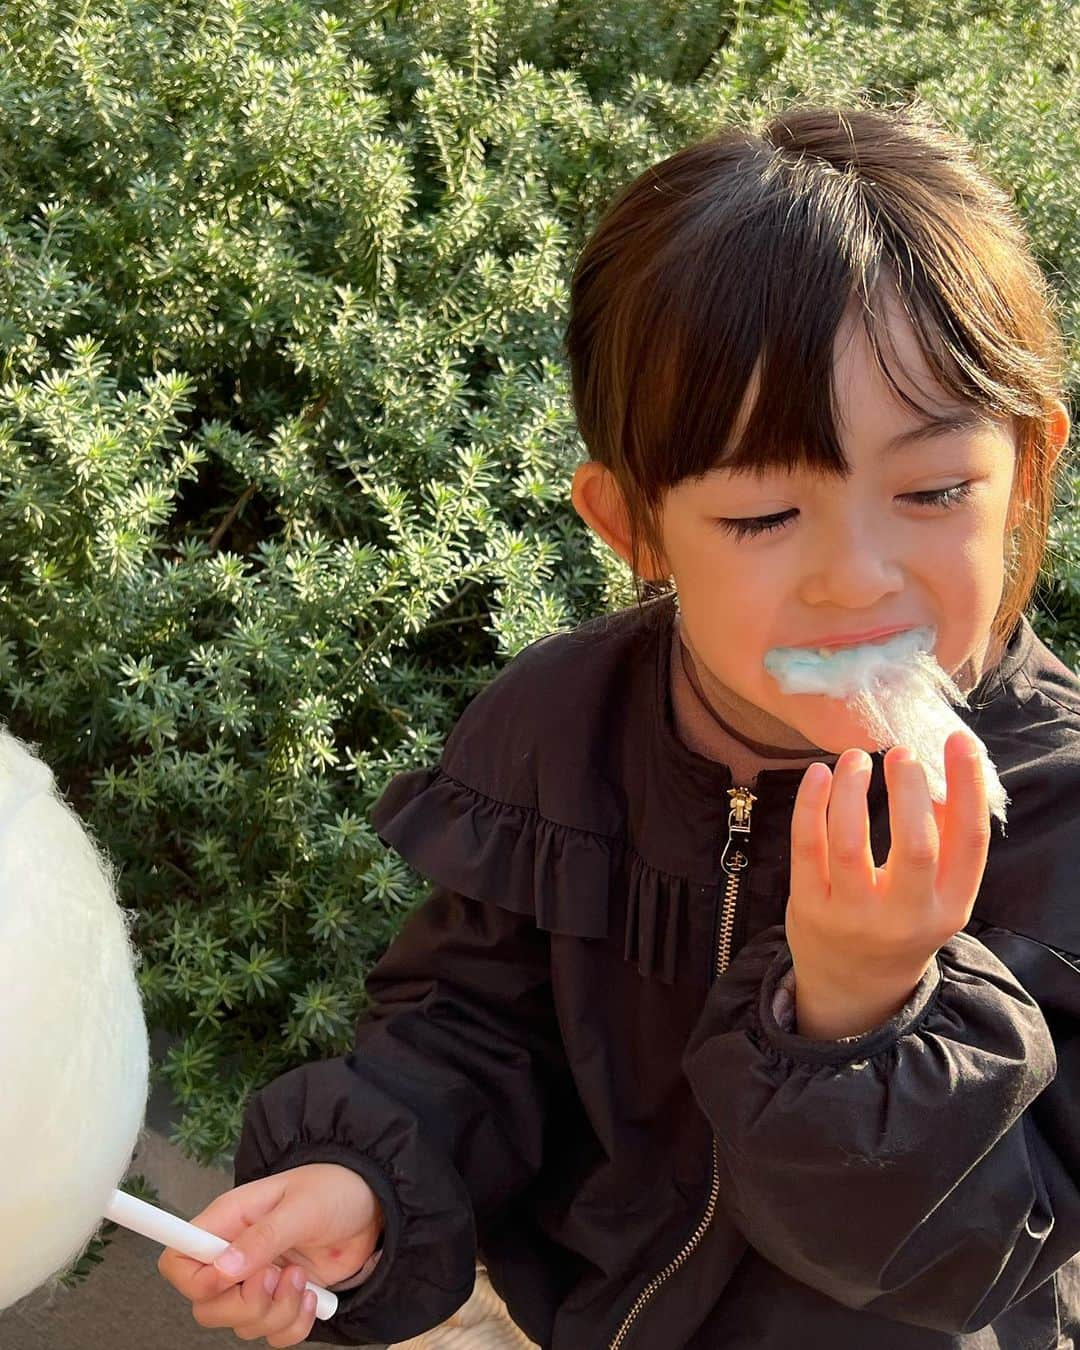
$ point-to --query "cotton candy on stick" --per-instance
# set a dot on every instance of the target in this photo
(899, 692)
(74, 1057)
(74, 1053)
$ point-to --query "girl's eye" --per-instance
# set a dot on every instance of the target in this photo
(753, 525)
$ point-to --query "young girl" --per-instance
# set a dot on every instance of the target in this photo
(665, 1048)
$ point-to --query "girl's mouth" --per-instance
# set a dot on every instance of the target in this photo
(878, 640)
(837, 670)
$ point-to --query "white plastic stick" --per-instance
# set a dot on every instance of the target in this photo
(157, 1225)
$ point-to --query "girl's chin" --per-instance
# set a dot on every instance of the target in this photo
(836, 730)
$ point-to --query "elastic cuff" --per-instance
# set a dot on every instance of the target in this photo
(850, 1048)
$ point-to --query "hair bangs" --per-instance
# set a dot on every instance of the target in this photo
(707, 305)
(748, 373)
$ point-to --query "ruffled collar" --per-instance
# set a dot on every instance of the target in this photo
(565, 792)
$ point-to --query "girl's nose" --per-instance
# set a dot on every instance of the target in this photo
(852, 565)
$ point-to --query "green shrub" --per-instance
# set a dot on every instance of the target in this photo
(285, 431)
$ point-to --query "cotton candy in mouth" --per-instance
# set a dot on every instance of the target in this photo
(899, 693)
(842, 671)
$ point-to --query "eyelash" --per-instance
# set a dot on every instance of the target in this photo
(755, 525)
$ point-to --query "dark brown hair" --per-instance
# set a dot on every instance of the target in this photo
(751, 244)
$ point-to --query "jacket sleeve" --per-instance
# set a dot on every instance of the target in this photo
(947, 1138)
(440, 1106)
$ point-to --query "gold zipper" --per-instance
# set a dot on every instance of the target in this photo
(742, 802)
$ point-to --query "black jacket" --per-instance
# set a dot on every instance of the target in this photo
(572, 1064)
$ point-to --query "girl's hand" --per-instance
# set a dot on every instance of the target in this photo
(321, 1220)
(863, 936)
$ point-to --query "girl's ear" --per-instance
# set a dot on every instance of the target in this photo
(599, 501)
(1059, 427)
(1059, 430)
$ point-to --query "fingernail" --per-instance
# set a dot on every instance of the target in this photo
(271, 1280)
(230, 1262)
(299, 1279)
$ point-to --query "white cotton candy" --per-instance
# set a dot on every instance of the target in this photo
(74, 1055)
(901, 695)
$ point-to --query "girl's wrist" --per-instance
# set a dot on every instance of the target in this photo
(828, 1012)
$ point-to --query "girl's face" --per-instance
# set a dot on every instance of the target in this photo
(915, 535)
(844, 556)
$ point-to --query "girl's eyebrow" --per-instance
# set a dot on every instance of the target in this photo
(959, 421)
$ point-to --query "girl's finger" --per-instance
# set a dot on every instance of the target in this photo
(851, 859)
(914, 847)
(300, 1328)
(966, 837)
(809, 834)
(279, 1313)
(242, 1305)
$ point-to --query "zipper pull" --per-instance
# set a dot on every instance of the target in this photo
(742, 803)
